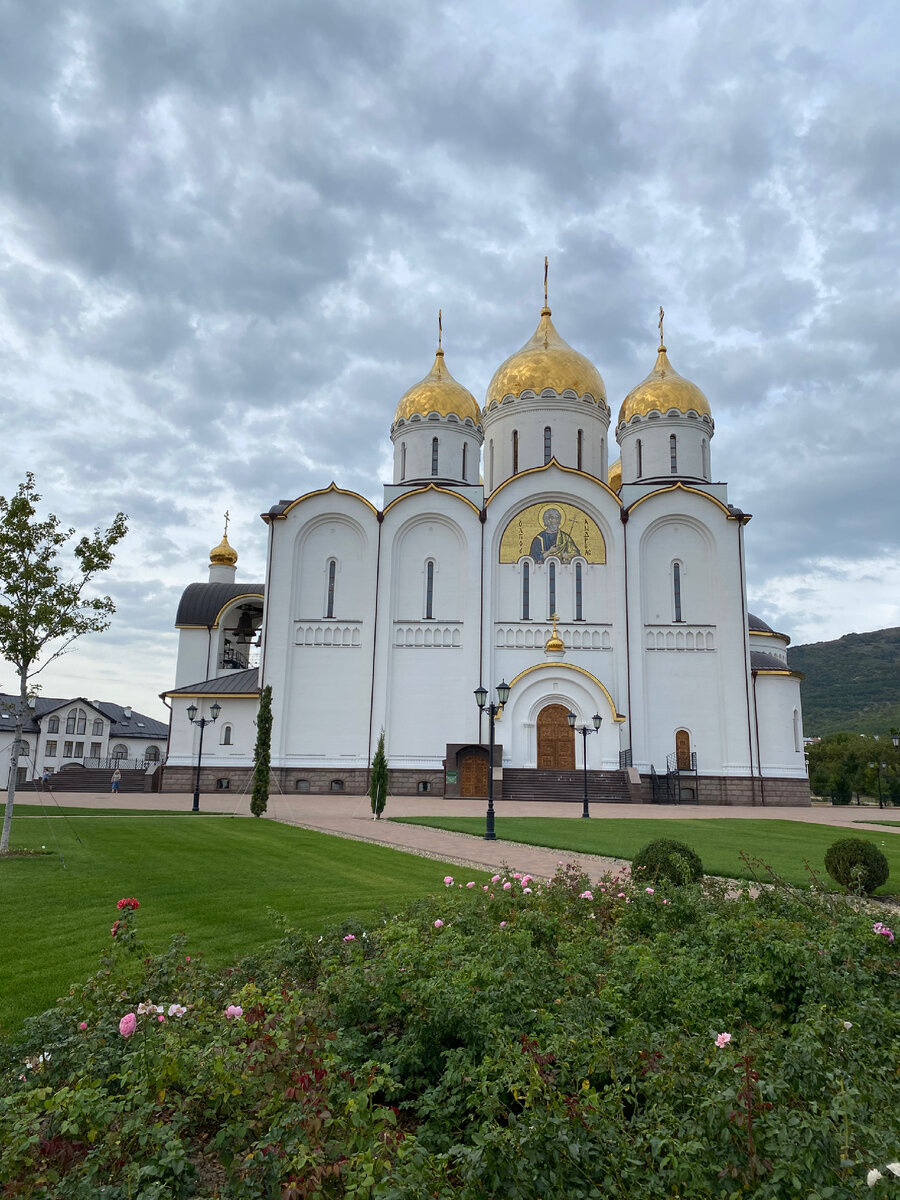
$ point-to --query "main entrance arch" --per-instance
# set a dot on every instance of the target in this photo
(555, 740)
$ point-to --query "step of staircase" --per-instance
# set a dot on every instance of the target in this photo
(90, 779)
(565, 787)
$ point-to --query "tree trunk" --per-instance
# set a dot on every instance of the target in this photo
(21, 709)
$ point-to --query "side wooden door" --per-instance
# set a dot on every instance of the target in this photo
(473, 775)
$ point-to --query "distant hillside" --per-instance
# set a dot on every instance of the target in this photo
(851, 684)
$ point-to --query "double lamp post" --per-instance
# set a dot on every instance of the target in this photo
(215, 709)
(481, 700)
(584, 730)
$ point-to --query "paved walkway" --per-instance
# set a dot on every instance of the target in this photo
(351, 817)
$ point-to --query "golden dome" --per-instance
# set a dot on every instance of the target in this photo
(224, 554)
(438, 392)
(554, 643)
(663, 390)
(614, 476)
(546, 361)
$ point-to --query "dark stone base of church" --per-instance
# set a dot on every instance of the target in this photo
(318, 781)
(726, 791)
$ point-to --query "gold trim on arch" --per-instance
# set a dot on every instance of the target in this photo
(774, 671)
(672, 487)
(561, 666)
(553, 463)
(332, 487)
(432, 487)
(768, 633)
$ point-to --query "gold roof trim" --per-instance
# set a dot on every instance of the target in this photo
(663, 390)
(562, 666)
(431, 487)
(672, 487)
(332, 487)
(546, 467)
(546, 361)
(438, 392)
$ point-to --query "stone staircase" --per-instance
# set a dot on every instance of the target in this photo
(92, 779)
(566, 787)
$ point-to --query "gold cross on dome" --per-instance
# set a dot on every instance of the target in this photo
(661, 315)
(227, 519)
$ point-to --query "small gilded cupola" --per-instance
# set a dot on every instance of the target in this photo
(665, 426)
(437, 432)
(546, 401)
(223, 559)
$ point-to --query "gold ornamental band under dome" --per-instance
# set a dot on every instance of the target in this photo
(546, 361)
(224, 554)
(440, 393)
(663, 390)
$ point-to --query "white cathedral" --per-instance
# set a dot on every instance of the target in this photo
(589, 589)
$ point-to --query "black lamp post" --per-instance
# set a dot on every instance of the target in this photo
(878, 767)
(493, 709)
(215, 709)
(584, 730)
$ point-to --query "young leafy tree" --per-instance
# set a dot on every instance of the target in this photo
(262, 756)
(43, 606)
(378, 781)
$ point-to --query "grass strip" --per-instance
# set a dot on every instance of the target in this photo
(784, 845)
(213, 879)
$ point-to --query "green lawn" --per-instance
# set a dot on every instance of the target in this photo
(782, 844)
(213, 879)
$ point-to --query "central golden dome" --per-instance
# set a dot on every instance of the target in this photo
(224, 554)
(438, 392)
(663, 390)
(546, 361)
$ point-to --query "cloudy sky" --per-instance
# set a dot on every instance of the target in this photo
(226, 229)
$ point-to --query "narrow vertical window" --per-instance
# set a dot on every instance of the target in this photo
(579, 448)
(676, 589)
(465, 448)
(526, 592)
(491, 471)
(547, 445)
(673, 454)
(403, 460)
(329, 604)
(429, 590)
(704, 458)
(552, 587)
(640, 459)
(579, 607)
(434, 456)
(515, 448)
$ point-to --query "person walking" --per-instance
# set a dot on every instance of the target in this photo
(116, 779)
(45, 777)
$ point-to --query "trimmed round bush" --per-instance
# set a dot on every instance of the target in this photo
(667, 861)
(858, 865)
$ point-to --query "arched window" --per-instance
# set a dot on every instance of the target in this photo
(579, 607)
(640, 459)
(673, 454)
(547, 445)
(97, 728)
(119, 751)
(53, 725)
(676, 589)
(798, 733)
(491, 466)
(329, 599)
(526, 592)
(226, 735)
(434, 456)
(70, 722)
(429, 590)
(403, 460)
(579, 443)
(81, 724)
(465, 448)
(551, 582)
(151, 754)
(515, 449)
(704, 458)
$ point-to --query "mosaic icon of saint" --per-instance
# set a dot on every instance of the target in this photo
(553, 539)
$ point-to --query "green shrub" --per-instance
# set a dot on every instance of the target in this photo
(667, 861)
(858, 865)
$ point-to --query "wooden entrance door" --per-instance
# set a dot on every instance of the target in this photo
(473, 775)
(555, 740)
(683, 750)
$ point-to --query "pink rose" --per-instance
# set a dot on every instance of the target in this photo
(723, 1039)
(502, 924)
(649, 891)
(470, 885)
(507, 886)
(350, 937)
(233, 1011)
(586, 896)
(439, 924)
(128, 1025)
(82, 1025)
(448, 881)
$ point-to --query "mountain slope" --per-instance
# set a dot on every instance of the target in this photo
(851, 684)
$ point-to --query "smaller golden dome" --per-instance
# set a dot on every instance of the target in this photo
(554, 643)
(663, 390)
(546, 361)
(438, 392)
(224, 554)
(614, 476)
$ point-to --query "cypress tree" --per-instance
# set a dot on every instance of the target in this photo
(262, 755)
(378, 785)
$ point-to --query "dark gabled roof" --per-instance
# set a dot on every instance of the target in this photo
(201, 603)
(136, 726)
(241, 683)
